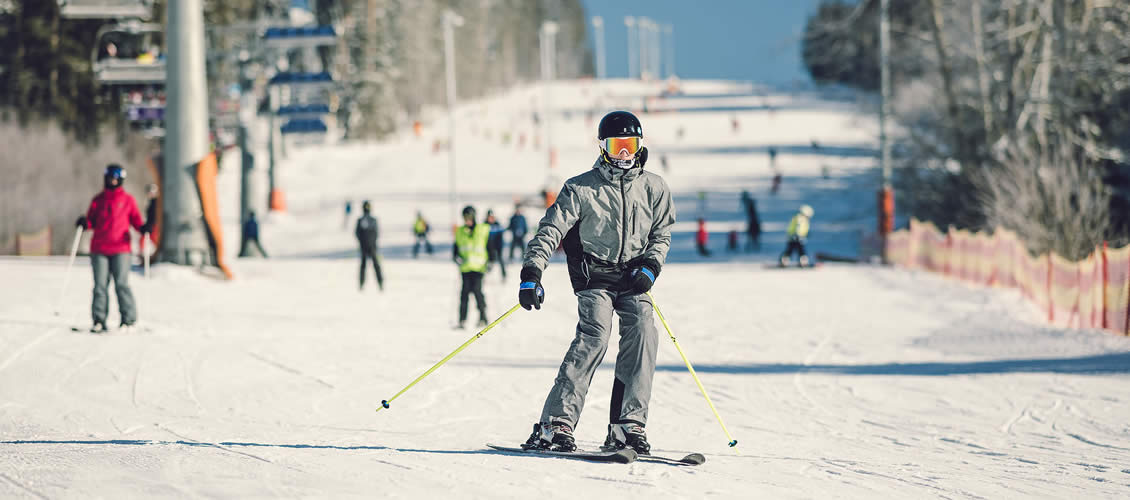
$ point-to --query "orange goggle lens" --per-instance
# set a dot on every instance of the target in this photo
(613, 145)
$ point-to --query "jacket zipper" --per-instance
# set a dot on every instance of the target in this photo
(624, 232)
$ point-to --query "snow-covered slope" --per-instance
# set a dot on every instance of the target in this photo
(844, 381)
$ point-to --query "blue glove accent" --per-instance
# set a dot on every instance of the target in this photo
(647, 272)
(527, 285)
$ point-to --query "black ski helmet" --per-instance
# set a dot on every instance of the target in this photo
(115, 171)
(113, 176)
(366, 207)
(619, 124)
(469, 211)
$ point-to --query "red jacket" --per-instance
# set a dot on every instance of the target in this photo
(702, 237)
(111, 214)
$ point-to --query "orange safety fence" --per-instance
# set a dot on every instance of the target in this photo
(1091, 293)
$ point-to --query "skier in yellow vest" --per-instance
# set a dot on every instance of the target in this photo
(798, 233)
(470, 253)
(420, 229)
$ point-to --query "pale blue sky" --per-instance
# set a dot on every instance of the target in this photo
(755, 40)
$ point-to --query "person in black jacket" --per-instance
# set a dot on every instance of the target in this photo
(518, 229)
(367, 234)
(494, 243)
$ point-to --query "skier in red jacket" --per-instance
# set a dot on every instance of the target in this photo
(111, 214)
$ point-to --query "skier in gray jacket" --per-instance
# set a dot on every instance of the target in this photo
(615, 225)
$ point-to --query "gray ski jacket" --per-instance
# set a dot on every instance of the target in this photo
(610, 220)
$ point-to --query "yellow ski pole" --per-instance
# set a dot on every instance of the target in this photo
(733, 442)
(385, 403)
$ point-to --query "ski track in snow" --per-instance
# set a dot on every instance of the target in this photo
(842, 381)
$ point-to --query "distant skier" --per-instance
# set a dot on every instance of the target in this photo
(701, 238)
(420, 230)
(615, 221)
(251, 236)
(151, 195)
(732, 241)
(110, 216)
(777, 178)
(348, 212)
(773, 158)
(518, 229)
(470, 253)
(798, 232)
(367, 233)
(753, 222)
(495, 243)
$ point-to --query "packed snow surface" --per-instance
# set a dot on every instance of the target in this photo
(843, 381)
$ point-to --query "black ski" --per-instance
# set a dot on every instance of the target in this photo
(691, 459)
(618, 457)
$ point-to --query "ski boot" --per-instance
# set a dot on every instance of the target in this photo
(483, 322)
(629, 435)
(99, 328)
(126, 327)
(553, 437)
(783, 262)
(803, 261)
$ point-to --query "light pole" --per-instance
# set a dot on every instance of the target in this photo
(643, 50)
(670, 30)
(630, 23)
(598, 28)
(450, 20)
(655, 52)
(886, 193)
(548, 35)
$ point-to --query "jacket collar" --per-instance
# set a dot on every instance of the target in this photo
(615, 174)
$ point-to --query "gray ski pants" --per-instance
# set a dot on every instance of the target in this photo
(635, 363)
(116, 266)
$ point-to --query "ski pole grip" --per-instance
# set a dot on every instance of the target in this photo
(385, 405)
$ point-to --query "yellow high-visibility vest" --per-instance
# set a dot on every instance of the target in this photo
(473, 247)
(798, 227)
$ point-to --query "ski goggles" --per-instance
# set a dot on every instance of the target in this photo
(614, 145)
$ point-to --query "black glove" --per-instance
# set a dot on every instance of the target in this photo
(81, 222)
(642, 278)
(643, 156)
(530, 292)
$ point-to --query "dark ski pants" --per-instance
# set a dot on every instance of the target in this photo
(370, 255)
(250, 243)
(117, 267)
(702, 250)
(795, 246)
(635, 362)
(517, 243)
(421, 239)
(472, 284)
(754, 232)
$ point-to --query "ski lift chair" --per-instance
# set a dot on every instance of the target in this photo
(105, 9)
(135, 62)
